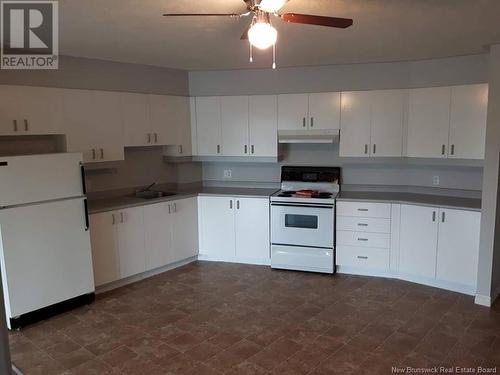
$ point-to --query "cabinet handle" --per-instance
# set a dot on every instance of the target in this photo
(231, 204)
(246, 149)
(312, 122)
(453, 149)
(433, 215)
(304, 122)
(180, 149)
(362, 257)
(443, 216)
(374, 148)
(363, 239)
(363, 209)
(238, 205)
(443, 149)
(253, 149)
(121, 217)
(149, 137)
(218, 149)
(362, 225)
(366, 149)
(156, 137)
(169, 210)
(113, 218)
(15, 125)
(102, 153)
(175, 207)
(26, 125)
(93, 154)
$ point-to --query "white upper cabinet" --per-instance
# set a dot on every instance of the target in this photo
(108, 124)
(164, 113)
(26, 110)
(263, 125)
(468, 121)
(136, 119)
(428, 122)
(182, 122)
(208, 126)
(234, 119)
(293, 111)
(324, 111)
(355, 124)
(387, 118)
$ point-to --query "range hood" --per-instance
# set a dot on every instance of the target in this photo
(308, 136)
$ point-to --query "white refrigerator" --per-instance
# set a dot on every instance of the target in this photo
(45, 251)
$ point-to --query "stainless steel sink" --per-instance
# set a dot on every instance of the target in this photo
(152, 194)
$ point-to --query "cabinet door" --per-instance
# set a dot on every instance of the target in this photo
(208, 126)
(217, 237)
(324, 111)
(458, 246)
(185, 229)
(252, 229)
(263, 125)
(41, 111)
(104, 247)
(108, 126)
(234, 119)
(131, 241)
(428, 122)
(387, 123)
(468, 121)
(10, 123)
(158, 221)
(164, 118)
(183, 144)
(293, 111)
(418, 241)
(81, 130)
(355, 124)
(136, 121)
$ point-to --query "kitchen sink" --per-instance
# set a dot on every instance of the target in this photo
(152, 194)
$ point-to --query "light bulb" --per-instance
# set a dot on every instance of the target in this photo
(271, 6)
(262, 35)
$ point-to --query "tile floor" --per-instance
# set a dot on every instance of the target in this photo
(216, 318)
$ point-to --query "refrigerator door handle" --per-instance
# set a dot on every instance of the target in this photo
(87, 220)
(84, 185)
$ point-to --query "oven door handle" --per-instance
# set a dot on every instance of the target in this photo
(301, 205)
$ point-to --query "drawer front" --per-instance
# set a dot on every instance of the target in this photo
(363, 239)
(364, 209)
(363, 257)
(363, 224)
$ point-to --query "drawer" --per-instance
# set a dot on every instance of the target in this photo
(363, 257)
(363, 239)
(364, 209)
(363, 224)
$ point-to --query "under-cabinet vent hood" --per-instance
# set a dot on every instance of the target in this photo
(308, 136)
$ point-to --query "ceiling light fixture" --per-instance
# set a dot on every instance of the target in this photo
(262, 35)
(271, 6)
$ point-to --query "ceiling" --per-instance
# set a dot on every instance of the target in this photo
(384, 30)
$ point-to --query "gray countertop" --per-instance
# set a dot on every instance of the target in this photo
(118, 203)
(412, 198)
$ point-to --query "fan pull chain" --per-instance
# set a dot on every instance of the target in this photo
(274, 56)
(251, 53)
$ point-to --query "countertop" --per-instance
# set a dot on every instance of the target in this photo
(412, 198)
(121, 202)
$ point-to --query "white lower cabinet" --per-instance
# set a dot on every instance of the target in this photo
(234, 229)
(134, 240)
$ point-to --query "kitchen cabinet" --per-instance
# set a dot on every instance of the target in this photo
(131, 242)
(104, 241)
(93, 124)
(158, 222)
(468, 121)
(182, 143)
(185, 229)
(372, 123)
(458, 246)
(234, 228)
(263, 125)
(319, 111)
(418, 241)
(234, 122)
(208, 126)
(136, 119)
(428, 122)
(27, 110)
(165, 113)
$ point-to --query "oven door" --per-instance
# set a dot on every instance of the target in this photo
(302, 225)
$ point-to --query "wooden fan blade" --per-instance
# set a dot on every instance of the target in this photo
(317, 20)
(244, 36)
(234, 15)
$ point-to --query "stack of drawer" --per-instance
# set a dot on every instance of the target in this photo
(364, 235)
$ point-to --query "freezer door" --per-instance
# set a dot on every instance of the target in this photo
(45, 255)
(38, 178)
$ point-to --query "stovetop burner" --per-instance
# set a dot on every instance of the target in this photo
(286, 193)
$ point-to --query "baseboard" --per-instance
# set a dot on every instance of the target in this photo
(142, 276)
(482, 300)
(257, 262)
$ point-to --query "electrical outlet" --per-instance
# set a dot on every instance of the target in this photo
(435, 180)
(228, 173)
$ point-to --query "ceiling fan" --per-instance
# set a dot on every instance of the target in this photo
(260, 32)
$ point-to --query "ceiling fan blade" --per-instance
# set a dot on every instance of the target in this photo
(244, 36)
(234, 15)
(317, 20)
